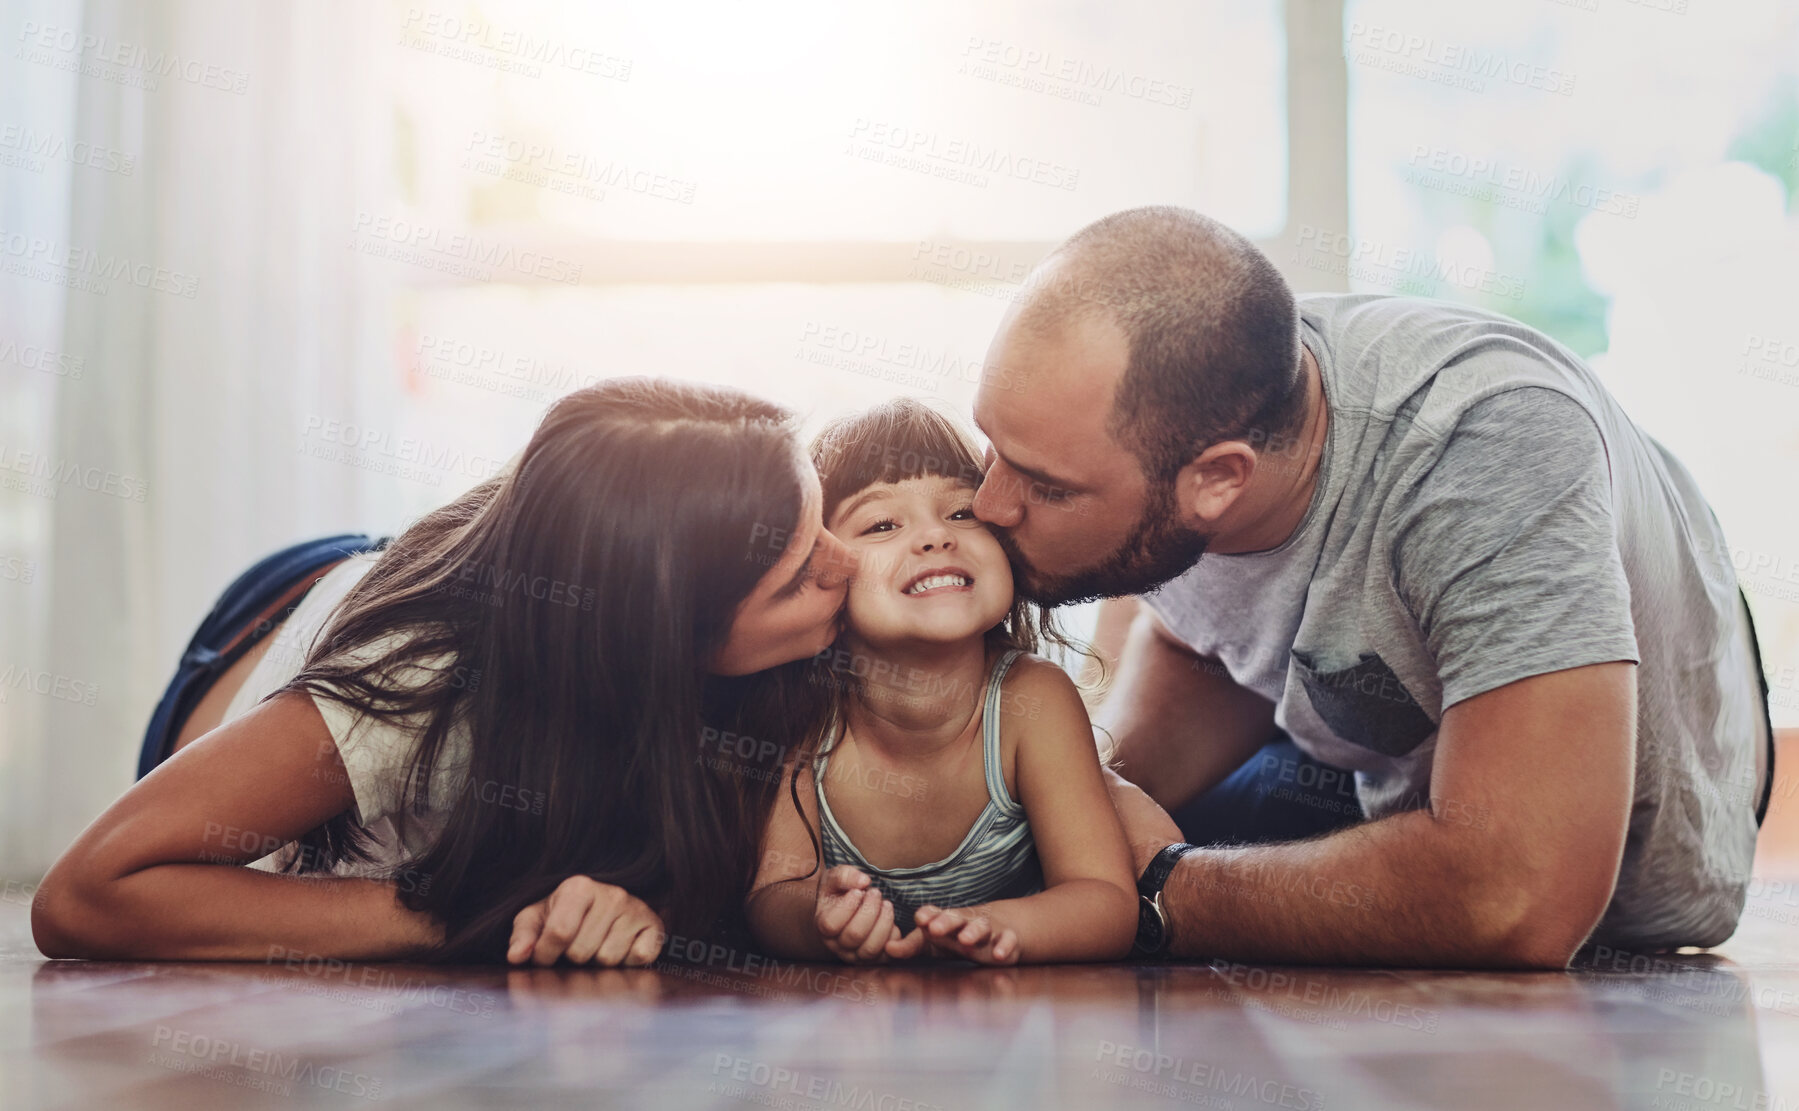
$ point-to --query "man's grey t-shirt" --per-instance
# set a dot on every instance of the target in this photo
(1485, 512)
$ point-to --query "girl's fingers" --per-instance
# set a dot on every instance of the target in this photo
(1005, 950)
(923, 915)
(845, 877)
(945, 923)
(974, 933)
(877, 937)
(834, 913)
(906, 947)
(864, 920)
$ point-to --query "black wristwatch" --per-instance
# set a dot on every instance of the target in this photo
(1152, 922)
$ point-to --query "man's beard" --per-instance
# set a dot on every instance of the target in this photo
(1157, 550)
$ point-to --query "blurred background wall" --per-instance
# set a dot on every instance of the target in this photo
(272, 270)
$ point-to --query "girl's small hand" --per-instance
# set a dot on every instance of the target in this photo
(585, 920)
(966, 932)
(854, 920)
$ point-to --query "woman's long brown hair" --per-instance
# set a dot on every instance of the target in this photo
(563, 612)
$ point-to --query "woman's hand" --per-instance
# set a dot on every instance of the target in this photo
(854, 920)
(585, 920)
(967, 932)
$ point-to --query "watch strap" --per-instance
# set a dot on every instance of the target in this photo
(1150, 884)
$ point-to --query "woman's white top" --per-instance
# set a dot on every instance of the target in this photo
(376, 755)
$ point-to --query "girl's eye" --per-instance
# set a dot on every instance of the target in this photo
(965, 514)
(881, 525)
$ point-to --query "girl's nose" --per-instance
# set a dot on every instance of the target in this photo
(938, 540)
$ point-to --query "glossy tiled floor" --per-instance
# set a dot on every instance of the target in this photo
(1714, 1032)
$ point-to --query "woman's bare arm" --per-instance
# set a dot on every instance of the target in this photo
(155, 876)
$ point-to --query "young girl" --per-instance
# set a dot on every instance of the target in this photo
(954, 784)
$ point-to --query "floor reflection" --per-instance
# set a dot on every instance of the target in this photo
(730, 1031)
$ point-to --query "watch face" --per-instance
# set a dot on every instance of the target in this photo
(1152, 932)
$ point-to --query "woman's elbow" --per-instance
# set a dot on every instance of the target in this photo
(57, 924)
(69, 916)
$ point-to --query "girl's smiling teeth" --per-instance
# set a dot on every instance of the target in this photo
(939, 580)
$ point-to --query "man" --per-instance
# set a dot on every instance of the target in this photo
(1435, 553)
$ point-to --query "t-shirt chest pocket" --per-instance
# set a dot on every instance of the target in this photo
(1365, 703)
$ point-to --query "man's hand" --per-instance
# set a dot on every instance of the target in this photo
(854, 920)
(585, 920)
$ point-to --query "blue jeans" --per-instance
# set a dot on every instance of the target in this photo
(1279, 794)
(260, 599)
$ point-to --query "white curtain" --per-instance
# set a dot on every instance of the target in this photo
(211, 156)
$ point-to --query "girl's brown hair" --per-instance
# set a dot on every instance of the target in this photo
(902, 439)
(895, 441)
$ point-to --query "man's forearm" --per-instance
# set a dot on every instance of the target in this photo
(1399, 891)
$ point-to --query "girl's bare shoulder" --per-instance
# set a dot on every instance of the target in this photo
(1034, 673)
(1037, 690)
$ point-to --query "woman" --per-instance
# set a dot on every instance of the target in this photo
(681, 524)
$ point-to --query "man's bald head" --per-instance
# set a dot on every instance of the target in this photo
(1211, 325)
